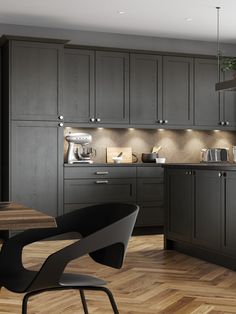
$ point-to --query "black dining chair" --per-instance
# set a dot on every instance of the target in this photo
(104, 232)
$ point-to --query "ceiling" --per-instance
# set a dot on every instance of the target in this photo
(160, 18)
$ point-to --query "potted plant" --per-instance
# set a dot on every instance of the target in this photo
(228, 64)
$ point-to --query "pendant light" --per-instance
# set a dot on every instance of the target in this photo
(224, 85)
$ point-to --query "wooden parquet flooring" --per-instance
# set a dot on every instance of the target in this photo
(152, 281)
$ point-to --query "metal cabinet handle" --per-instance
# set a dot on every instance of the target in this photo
(227, 123)
(165, 121)
(101, 182)
(219, 174)
(102, 172)
(187, 172)
(60, 117)
(160, 121)
(92, 119)
(60, 124)
(98, 119)
(222, 123)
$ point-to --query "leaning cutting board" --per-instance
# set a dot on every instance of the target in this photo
(115, 151)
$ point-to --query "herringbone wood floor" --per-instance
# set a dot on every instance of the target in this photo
(151, 281)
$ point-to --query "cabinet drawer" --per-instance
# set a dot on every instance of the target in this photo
(99, 172)
(150, 172)
(150, 190)
(100, 190)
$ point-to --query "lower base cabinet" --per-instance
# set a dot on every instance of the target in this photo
(207, 223)
(87, 185)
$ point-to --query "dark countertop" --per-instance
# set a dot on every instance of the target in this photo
(201, 166)
(115, 165)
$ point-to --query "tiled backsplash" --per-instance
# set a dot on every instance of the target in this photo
(177, 145)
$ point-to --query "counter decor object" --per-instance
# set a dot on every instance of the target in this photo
(160, 160)
(149, 157)
(119, 154)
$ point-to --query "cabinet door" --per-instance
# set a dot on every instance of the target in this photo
(36, 165)
(229, 103)
(78, 91)
(178, 91)
(150, 199)
(207, 209)
(229, 214)
(179, 202)
(145, 88)
(35, 81)
(207, 100)
(112, 87)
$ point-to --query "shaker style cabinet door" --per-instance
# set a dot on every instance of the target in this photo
(207, 209)
(179, 203)
(36, 165)
(35, 71)
(145, 89)
(228, 104)
(112, 87)
(78, 85)
(207, 100)
(177, 106)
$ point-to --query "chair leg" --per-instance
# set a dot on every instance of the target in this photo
(24, 303)
(111, 298)
(82, 296)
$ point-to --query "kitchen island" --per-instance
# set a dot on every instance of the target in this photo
(200, 211)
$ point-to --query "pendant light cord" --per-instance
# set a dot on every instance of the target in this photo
(218, 41)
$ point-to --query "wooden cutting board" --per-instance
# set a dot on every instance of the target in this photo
(115, 151)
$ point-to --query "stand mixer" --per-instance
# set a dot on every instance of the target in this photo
(76, 155)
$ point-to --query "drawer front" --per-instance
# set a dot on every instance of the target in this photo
(150, 190)
(150, 172)
(150, 215)
(100, 190)
(99, 172)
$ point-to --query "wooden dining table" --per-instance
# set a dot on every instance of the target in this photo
(14, 216)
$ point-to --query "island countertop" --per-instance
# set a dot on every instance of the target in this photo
(202, 166)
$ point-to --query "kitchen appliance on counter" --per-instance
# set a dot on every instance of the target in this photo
(82, 154)
(215, 155)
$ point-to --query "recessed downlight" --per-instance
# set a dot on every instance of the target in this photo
(188, 19)
(121, 12)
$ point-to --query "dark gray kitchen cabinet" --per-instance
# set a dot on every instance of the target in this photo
(207, 111)
(179, 202)
(207, 209)
(177, 104)
(145, 89)
(35, 71)
(87, 185)
(228, 104)
(78, 86)
(36, 166)
(150, 196)
(112, 87)
(229, 213)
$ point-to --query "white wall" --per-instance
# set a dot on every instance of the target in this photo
(119, 40)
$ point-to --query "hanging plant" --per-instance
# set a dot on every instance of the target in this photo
(228, 63)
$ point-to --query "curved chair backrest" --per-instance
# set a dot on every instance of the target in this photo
(105, 230)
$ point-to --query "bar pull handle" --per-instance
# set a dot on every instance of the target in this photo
(101, 182)
(102, 172)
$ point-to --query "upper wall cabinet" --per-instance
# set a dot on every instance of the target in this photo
(35, 72)
(112, 87)
(177, 106)
(145, 89)
(228, 104)
(207, 100)
(78, 83)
